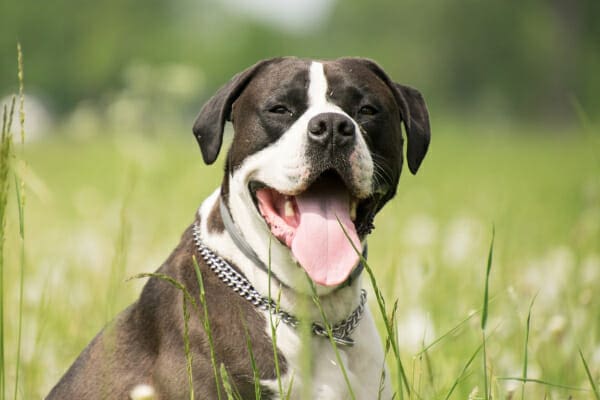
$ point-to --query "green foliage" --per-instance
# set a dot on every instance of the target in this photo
(340, 363)
(5, 169)
(7, 165)
(590, 377)
(521, 60)
(388, 320)
(542, 215)
(541, 190)
(207, 329)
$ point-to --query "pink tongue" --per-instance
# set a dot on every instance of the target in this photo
(319, 244)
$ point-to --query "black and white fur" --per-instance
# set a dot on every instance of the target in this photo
(271, 105)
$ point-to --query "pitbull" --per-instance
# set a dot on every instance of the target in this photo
(317, 151)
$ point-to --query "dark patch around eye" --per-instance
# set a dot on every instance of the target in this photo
(368, 110)
(280, 109)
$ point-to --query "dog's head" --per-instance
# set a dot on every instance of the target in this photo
(317, 146)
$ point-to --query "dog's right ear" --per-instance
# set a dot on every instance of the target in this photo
(210, 122)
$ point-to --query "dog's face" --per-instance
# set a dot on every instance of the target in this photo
(317, 151)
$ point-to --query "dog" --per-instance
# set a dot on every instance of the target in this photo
(317, 151)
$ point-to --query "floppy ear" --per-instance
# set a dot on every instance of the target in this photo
(416, 122)
(413, 112)
(210, 122)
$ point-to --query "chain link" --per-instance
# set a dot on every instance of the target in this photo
(238, 283)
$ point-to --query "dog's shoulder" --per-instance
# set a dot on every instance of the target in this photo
(236, 326)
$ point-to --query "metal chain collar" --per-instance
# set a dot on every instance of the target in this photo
(238, 283)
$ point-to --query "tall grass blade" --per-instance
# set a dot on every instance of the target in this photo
(525, 351)
(484, 314)
(382, 376)
(21, 78)
(388, 342)
(486, 387)
(227, 384)
(542, 382)
(341, 365)
(20, 193)
(451, 331)
(5, 167)
(255, 371)
(186, 318)
(288, 393)
(274, 324)
(207, 328)
(307, 350)
(186, 346)
(21, 208)
(462, 373)
(402, 378)
(589, 376)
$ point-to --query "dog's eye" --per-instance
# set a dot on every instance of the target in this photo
(367, 110)
(280, 109)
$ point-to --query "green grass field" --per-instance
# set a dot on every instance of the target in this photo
(102, 209)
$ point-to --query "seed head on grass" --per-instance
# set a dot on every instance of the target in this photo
(20, 192)
(5, 167)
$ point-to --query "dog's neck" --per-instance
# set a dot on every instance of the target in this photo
(337, 304)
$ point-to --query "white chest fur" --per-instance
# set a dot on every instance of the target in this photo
(322, 376)
(363, 363)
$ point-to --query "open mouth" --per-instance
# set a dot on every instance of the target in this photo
(319, 225)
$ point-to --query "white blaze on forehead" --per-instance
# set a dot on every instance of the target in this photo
(317, 91)
(285, 167)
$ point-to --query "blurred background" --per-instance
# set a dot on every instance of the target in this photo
(112, 175)
(511, 61)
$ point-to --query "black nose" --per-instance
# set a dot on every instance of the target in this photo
(334, 128)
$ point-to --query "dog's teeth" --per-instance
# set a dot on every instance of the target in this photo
(353, 210)
(288, 208)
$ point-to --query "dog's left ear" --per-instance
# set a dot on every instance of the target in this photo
(416, 122)
(210, 122)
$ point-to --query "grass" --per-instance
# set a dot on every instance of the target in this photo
(20, 196)
(592, 380)
(484, 316)
(541, 191)
(463, 372)
(389, 322)
(539, 223)
(5, 167)
(188, 300)
(206, 323)
(525, 348)
(424, 276)
(328, 328)
(273, 324)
